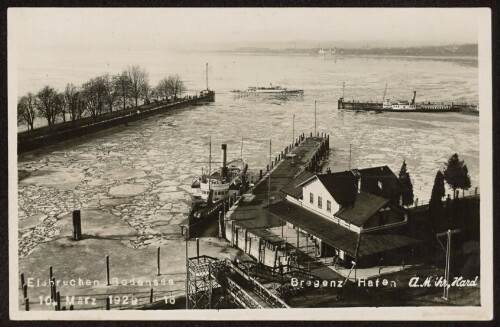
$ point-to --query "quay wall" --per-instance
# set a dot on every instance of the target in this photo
(31, 140)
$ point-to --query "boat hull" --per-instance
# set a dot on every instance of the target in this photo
(378, 107)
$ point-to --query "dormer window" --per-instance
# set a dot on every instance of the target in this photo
(311, 198)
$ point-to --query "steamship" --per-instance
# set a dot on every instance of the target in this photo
(271, 91)
(406, 106)
(212, 192)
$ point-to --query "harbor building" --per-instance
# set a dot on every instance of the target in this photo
(352, 216)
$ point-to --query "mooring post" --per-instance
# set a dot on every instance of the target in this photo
(27, 304)
(77, 225)
(267, 167)
(58, 298)
(53, 287)
(298, 235)
(22, 279)
(107, 270)
(221, 225)
(158, 262)
(108, 304)
(260, 174)
(25, 291)
(151, 296)
(198, 249)
(475, 191)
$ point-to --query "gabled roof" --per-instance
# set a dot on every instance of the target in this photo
(294, 188)
(391, 186)
(342, 186)
(365, 206)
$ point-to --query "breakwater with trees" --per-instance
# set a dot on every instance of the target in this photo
(99, 103)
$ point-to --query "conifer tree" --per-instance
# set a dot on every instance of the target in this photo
(404, 178)
(456, 174)
(438, 191)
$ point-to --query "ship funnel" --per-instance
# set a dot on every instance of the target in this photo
(224, 160)
(414, 95)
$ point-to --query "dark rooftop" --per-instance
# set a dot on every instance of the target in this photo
(293, 187)
(365, 206)
(336, 235)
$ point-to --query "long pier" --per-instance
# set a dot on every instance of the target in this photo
(34, 139)
(248, 219)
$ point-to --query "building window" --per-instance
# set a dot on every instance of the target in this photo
(320, 202)
(380, 184)
(311, 197)
(328, 206)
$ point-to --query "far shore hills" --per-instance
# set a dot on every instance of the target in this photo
(456, 52)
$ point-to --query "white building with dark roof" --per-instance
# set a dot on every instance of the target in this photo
(353, 215)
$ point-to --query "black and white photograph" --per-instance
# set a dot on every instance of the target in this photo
(306, 163)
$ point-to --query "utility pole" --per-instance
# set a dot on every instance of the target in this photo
(314, 118)
(350, 152)
(343, 89)
(187, 268)
(241, 152)
(293, 130)
(448, 256)
(269, 177)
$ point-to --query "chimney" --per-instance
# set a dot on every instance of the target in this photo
(224, 160)
(357, 175)
(328, 171)
(414, 95)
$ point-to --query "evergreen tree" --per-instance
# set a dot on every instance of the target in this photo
(438, 191)
(456, 174)
(404, 178)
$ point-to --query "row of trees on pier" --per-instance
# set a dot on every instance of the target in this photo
(101, 94)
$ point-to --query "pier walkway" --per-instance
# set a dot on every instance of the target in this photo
(249, 213)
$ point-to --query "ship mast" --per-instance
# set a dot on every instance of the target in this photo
(206, 74)
(385, 90)
(209, 161)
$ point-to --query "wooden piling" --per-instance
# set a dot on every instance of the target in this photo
(158, 262)
(53, 288)
(260, 175)
(77, 225)
(107, 270)
(25, 291)
(108, 304)
(151, 296)
(198, 248)
(22, 280)
(221, 225)
(27, 304)
(58, 301)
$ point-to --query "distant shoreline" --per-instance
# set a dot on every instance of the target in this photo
(461, 58)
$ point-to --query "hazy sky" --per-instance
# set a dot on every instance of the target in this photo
(194, 28)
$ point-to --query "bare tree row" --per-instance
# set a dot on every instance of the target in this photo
(105, 93)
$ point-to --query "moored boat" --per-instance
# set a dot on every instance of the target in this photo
(213, 191)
